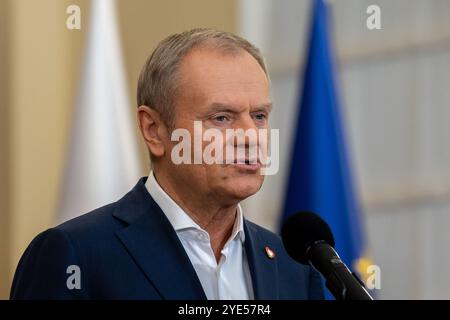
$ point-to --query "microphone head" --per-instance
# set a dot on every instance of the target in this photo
(302, 229)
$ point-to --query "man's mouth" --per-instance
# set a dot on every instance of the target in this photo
(247, 164)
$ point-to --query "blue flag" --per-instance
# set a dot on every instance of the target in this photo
(320, 179)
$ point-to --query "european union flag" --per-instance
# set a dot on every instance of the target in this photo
(320, 179)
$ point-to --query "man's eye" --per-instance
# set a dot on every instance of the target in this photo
(221, 118)
(260, 116)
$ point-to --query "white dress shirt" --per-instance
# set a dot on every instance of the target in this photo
(226, 280)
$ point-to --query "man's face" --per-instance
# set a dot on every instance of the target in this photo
(223, 91)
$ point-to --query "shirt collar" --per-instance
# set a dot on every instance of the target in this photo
(179, 219)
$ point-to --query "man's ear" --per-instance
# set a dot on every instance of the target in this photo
(153, 130)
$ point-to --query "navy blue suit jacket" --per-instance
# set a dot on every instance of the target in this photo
(129, 250)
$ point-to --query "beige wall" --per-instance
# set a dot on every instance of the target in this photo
(4, 154)
(42, 60)
(39, 65)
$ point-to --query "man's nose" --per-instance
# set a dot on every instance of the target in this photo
(249, 130)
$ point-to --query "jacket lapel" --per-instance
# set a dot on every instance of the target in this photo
(154, 245)
(263, 270)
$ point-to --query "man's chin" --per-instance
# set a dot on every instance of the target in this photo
(241, 190)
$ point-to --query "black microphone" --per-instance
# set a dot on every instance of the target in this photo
(308, 239)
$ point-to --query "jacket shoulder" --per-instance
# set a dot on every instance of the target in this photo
(93, 223)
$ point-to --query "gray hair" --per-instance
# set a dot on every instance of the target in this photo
(158, 80)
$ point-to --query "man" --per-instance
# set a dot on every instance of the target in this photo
(180, 233)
